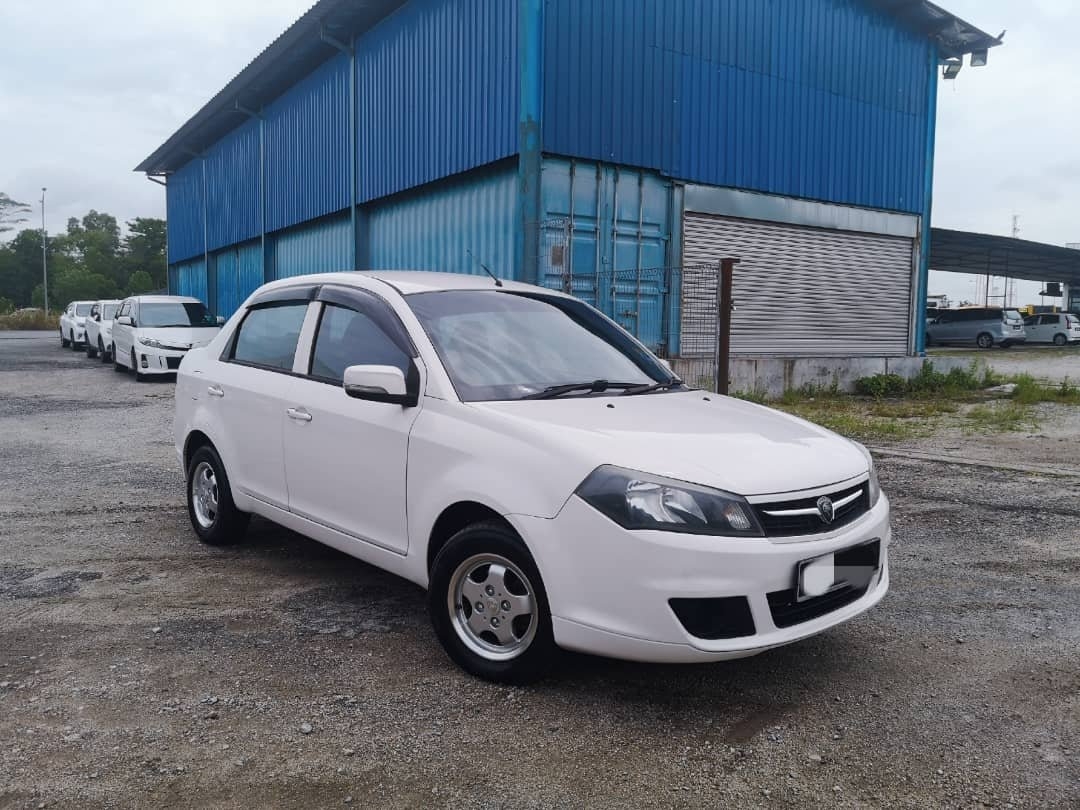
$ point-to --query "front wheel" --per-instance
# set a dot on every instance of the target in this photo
(139, 376)
(985, 341)
(91, 350)
(63, 340)
(102, 351)
(71, 337)
(489, 608)
(213, 514)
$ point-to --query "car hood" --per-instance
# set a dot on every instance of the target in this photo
(182, 337)
(692, 436)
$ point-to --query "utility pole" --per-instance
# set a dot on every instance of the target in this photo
(44, 254)
(1011, 283)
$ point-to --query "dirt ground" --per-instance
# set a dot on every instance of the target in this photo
(141, 669)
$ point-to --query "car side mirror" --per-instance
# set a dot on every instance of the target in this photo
(220, 320)
(125, 320)
(378, 384)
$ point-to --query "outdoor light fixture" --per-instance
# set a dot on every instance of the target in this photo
(979, 58)
(952, 68)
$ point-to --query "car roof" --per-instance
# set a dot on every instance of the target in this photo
(409, 282)
(165, 299)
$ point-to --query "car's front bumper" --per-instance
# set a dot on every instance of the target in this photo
(610, 589)
(157, 361)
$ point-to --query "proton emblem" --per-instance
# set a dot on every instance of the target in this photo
(825, 510)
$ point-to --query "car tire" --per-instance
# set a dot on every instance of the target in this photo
(1061, 340)
(71, 337)
(117, 365)
(63, 340)
(213, 515)
(985, 341)
(91, 350)
(102, 351)
(139, 377)
(490, 561)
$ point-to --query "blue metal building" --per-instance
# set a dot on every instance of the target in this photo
(589, 145)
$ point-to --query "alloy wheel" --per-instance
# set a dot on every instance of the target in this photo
(492, 606)
(204, 494)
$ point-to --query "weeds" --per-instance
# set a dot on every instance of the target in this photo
(29, 320)
(1000, 417)
(1030, 391)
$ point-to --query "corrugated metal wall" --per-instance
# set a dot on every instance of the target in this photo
(437, 88)
(822, 99)
(307, 148)
(319, 247)
(232, 172)
(616, 223)
(185, 206)
(237, 274)
(191, 279)
(435, 227)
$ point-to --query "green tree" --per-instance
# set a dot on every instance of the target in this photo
(12, 213)
(6, 306)
(93, 244)
(140, 282)
(79, 284)
(144, 249)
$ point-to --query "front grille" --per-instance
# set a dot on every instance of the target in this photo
(726, 617)
(173, 362)
(787, 610)
(795, 525)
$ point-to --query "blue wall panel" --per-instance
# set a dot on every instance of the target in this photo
(307, 148)
(237, 274)
(822, 99)
(616, 226)
(191, 280)
(437, 89)
(232, 187)
(435, 227)
(184, 194)
(320, 247)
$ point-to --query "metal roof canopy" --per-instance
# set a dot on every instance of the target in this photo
(302, 48)
(982, 254)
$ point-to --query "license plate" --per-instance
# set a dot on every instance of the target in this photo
(816, 577)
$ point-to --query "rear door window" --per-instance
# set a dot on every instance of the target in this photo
(268, 335)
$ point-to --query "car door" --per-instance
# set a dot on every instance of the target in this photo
(122, 339)
(249, 389)
(1031, 328)
(345, 458)
(944, 331)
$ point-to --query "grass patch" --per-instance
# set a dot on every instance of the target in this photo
(29, 321)
(1000, 417)
(957, 383)
(912, 409)
(856, 419)
(1030, 391)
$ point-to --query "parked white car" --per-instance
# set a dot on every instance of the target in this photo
(99, 329)
(73, 323)
(1060, 328)
(152, 333)
(530, 463)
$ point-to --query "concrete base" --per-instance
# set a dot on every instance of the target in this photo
(773, 376)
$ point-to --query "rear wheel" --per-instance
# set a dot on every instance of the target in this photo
(213, 514)
(985, 341)
(1060, 340)
(489, 608)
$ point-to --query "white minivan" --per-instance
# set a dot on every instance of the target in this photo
(536, 468)
(152, 333)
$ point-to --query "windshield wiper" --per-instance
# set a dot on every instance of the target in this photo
(674, 382)
(594, 387)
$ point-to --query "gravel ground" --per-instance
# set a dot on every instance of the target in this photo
(138, 668)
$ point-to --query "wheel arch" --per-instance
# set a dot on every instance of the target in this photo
(456, 517)
(195, 440)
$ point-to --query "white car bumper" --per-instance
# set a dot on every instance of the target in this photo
(157, 361)
(610, 589)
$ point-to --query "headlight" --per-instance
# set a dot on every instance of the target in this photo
(875, 487)
(638, 501)
(151, 343)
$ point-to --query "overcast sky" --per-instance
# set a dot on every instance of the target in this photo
(90, 87)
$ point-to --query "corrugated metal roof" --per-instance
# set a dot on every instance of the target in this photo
(300, 49)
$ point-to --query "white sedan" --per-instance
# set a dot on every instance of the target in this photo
(531, 464)
(99, 329)
(73, 323)
(152, 333)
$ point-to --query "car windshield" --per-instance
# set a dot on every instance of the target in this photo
(82, 310)
(108, 311)
(500, 345)
(162, 315)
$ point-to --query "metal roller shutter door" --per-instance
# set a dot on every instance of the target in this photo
(801, 291)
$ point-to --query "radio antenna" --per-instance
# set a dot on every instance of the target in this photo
(485, 268)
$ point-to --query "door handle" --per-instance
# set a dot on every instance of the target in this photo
(215, 391)
(299, 414)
